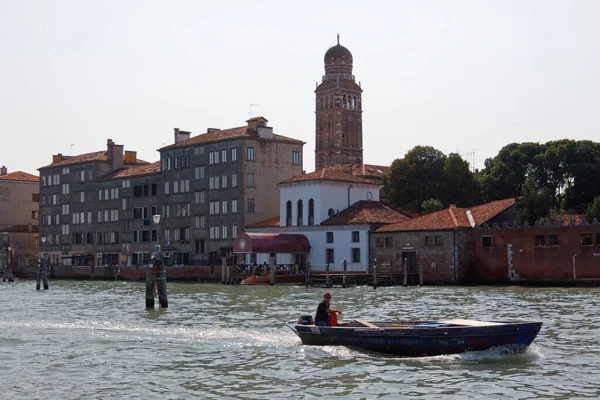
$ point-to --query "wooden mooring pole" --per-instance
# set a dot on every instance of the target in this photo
(156, 283)
(344, 275)
(375, 275)
(42, 275)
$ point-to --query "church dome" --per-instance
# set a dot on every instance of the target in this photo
(338, 59)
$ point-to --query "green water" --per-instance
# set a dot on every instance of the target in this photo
(95, 340)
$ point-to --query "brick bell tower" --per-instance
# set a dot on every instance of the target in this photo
(338, 112)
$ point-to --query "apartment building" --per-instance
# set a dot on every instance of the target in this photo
(19, 198)
(98, 208)
(216, 183)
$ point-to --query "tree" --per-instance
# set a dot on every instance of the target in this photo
(534, 203)
(593, 211)
(431, 205)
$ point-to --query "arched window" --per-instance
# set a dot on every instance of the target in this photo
(300, 223)
(311, 212)
(288, 213)
(354, 102)
(331, 101)
(344, 102)
(322, 104)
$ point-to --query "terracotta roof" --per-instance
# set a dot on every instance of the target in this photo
(133, 170)
(87, 157)
(266, 223)
(366, 212)
(22, 229)
(224, 134)
(336, 174)
(20, 176)
(370, 170)
(485, 212)
(450, 218)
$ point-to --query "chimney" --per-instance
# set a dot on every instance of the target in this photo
(210, 130)
(58, 157)
(3, 170)
(115, 154)
(347, 169)
(180, 135)
(130, 156)
(452, 206)
(259, 126)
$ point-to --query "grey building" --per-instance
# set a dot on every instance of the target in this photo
(97, 208)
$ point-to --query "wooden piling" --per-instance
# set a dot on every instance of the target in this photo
(344, 274)
(161, 283)
(405, 271)
(327, 279)
(149, 288)
(375, 276)
(272, 270)
(421, 273)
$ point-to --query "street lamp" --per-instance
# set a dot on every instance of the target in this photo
(156, 219)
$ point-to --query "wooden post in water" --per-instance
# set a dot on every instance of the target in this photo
(149, 288)
(161, 283)
(391, 264)
(344, 275)
(223, 277)
(327, 284)
(272, 264)
(307, 277)
(42, 275)
(421, 273)
(375, 275)
(156, 281)
(405, 271)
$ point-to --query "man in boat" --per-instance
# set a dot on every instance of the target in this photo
(324, 310)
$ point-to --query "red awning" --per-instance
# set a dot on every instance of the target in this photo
(270, 243)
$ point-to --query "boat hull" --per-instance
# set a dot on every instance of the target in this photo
(416, 341)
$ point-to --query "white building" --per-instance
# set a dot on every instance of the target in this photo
(334, 210)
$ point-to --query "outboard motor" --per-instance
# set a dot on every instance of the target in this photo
(306, 320)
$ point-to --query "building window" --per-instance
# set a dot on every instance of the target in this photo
(439, 240)
(586, 239)
(234, 207)
(492, 241)
(233, 231)
(233, 154)
(288, 213)
(389, 241)
(553, 240)
(329, 237)
(35, 197)
(300, 218)
(295, 157)
(311, 212)
(329, 256)
(250, 205)
(223, 155)
(539, 240)
(380, 241)
(250, 180)
(234, 182)
(250, 153)
(356, 255)
(355, 236)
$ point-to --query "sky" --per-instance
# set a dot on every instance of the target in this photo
(465, 77)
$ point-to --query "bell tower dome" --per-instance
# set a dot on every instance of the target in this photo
(338, 109)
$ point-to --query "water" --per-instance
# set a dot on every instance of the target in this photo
(95, 340)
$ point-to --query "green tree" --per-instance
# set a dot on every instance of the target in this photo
(534, 203)
(593, 211)
(431, 205)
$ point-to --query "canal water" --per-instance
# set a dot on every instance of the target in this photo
(96, 340)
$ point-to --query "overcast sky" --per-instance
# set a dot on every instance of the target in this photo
(461, 76)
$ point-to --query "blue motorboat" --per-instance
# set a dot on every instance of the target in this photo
(419, 338)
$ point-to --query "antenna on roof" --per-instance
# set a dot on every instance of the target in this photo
(252, 105)
(71, 149)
